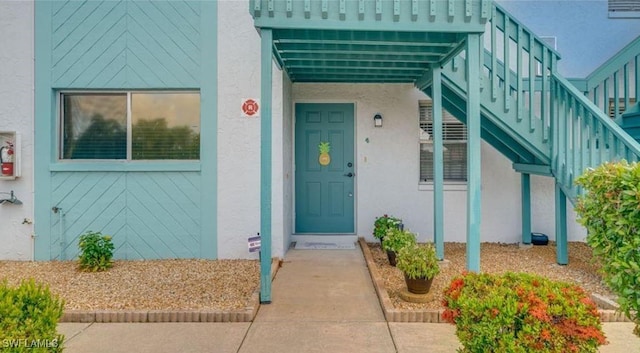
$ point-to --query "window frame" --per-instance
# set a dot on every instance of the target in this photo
(62, 164)
(450, 184)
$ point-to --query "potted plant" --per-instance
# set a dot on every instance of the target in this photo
(419, 265)
(383, 224)
(396, 239)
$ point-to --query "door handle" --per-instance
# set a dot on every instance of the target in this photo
(350, 175)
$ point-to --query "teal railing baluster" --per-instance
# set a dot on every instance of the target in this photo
(307, 8)
(637, 72)
(494, 57)
(414, 10)
(596, 141)
(616, 97)
(543, 95)
(520, 92)
(532, 84)
(585, 147)
(507, 64)
(577, 165)
(396, 10)
(605, 98)
(569, 140)
(625, 83)
(257, 7)
(270, 7)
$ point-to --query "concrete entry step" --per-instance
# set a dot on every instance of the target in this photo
(324, 242)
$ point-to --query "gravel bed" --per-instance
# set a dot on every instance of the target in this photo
(497, 258)
(145, 285)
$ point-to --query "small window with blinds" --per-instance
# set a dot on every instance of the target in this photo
(621, 106)
(624, 9)
(454, 142)
(130, 126)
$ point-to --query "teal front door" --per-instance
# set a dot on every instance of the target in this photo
(324, 187)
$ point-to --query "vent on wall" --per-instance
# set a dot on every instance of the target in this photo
(624, 8)
(621, 107)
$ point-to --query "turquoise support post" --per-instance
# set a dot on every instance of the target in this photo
(562, 254)
(44, 135)
(526, 207)
(473, 152)
(266, 75)
(438, 163)
(209, 160)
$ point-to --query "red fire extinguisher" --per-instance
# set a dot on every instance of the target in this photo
(6, 157)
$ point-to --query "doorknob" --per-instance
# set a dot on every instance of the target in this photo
(350, 175)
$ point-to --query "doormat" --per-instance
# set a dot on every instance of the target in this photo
(315, 245)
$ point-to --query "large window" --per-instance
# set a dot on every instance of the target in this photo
(454, 141)
(130, 126)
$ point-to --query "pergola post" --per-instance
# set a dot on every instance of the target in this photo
(265, 163)
(525, 186)
(438, 161)
(473, 152)
(562, 253)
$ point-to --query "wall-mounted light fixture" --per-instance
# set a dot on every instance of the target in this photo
(377, 120)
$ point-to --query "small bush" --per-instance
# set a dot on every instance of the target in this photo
(610, 210)
(29, 315)
(518, 312)
(383, 224)
(418, 261)
(397, 239)
(96, 252)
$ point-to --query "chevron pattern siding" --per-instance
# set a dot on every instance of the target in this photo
(150, 215)
(125, 44)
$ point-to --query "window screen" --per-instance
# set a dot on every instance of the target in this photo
(454, 141)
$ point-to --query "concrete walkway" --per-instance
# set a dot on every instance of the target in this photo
(323, 301)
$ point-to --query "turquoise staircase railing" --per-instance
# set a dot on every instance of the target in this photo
(533, 115)
(615, 86)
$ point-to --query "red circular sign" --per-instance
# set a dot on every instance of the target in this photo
(250, 107)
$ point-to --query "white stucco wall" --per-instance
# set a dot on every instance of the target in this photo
(387, 171)
(239, 138)
(287, 153)
(16, 114)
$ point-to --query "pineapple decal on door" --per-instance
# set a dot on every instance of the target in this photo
(324, 148)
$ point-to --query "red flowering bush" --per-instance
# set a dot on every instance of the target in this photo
(518, 312)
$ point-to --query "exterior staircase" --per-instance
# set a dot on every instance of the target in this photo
(538, 119)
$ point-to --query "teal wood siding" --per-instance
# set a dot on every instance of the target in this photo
(152, 209)
(126, 44)
(149, 214)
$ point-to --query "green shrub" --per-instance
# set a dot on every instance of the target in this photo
(418, 261)
(29, 315)
(96, 252)
(518, 312)
(610, 210)
(383, 224)
(397, 239)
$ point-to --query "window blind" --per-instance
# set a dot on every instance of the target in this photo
(455, 146)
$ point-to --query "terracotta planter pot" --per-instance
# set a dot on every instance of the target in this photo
(418, 285)
(392, 257)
